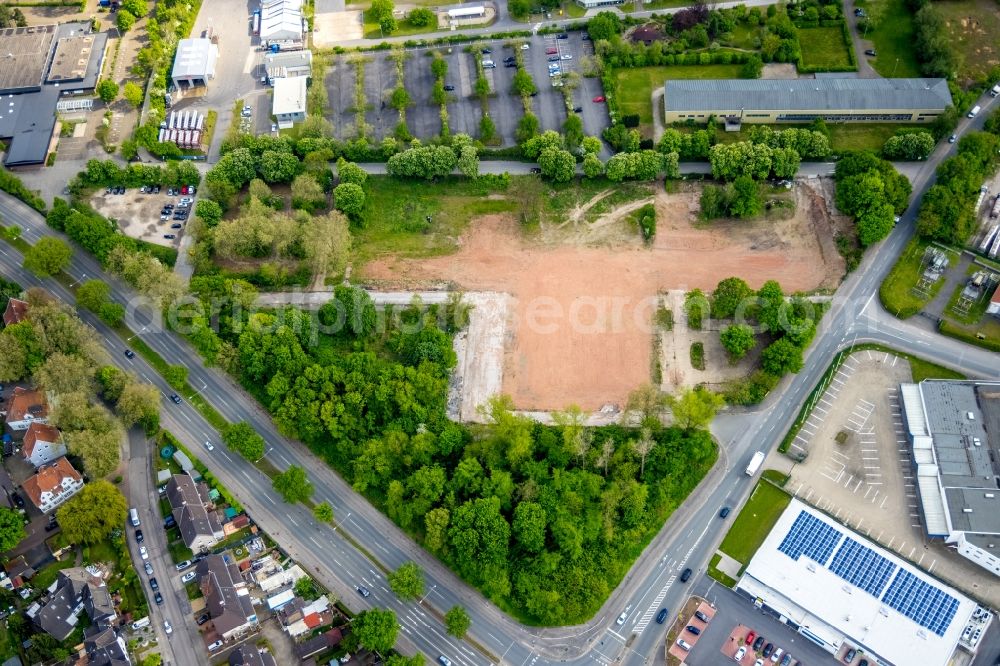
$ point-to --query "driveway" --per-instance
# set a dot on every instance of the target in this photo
(865, 69)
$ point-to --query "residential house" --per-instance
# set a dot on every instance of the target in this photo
(105, 647)
(317, 644)
(15, 312)
(288, 105)
(190, 504)
(53, 484)
(299, 617)
(77, 589)
(226, 597)
(250, 655)
(42, 444)
(27, 406)
(993, 307)
(273, 579)
(18, 570)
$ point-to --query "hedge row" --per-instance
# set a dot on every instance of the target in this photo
(13, 186)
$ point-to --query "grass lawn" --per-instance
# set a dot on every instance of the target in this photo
(985, 333)
(50, 572)
(824, 47)
(102, 552)
(179, 552)
(396, 212)
(893, 41)
(974, 30)
(562, 198)
(921, 370)
(656, 4)
(714, 572)
(746, 36)
(8, 643)
(635, 85)
(860, 136)
(754, 522)
(896, 290)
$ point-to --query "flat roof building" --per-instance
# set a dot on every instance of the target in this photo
(281, 21)
(289, 102)
(194, 64)
(953, 428)
(22, 61)
(288, 64)
(844, 592)
(803, 100)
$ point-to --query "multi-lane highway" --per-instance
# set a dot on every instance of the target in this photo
(688, 539)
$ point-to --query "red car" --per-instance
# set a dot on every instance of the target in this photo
(599, 99)
(551, 50)
(184, 190)
(750, 638)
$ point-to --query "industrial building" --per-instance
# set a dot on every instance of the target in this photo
(289, 103)
(288, 64)
(44, 69)
(953, 428)
(844, 592)
(194, 64)
(803, 100)
(281, 21)
(591, 4)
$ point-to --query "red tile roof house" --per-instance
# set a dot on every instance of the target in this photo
(27, 406)
(53, 484)
(15, 312)
(42, 444)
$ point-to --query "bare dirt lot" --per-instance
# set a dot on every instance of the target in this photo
(580, 328)
(138, 215)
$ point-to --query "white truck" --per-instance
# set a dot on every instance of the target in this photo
(995, 90)
(755, 463)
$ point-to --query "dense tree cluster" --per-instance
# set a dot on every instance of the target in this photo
(873, 192)
(946, 211)
(908, 146)
(643, 165)
(810, 144)
(740, 199)
(937, 55)
(92, 514)
(755, 160)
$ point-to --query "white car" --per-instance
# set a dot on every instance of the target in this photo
(621, 618)
(567, 56)
(167, 627)
(189, 576)
(208, 445)
(186, 200)
(740, 653)
(215, 646)
(143, 552)
(525, 47)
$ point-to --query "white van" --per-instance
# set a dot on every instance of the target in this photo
(139, 624)
(134, 517)
(489, 64)
(975, 111)
(683, 644)
(995, 90)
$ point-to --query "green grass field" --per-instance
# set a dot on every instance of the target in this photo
(896, 290)
(824, 47)
(635, 85)
(713, 572)
(893, 40)
(758, 516)
(921, 370)
(974, 29)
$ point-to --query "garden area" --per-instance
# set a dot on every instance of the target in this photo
(824, 49)
(754, 521)
(893, 36)
(634, 86)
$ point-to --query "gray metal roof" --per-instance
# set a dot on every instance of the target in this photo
(195, 59)
(806, 94)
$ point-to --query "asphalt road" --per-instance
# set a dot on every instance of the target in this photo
(687, 540)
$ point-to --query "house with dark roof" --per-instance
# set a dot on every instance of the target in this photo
(105, 647)
(226, 597)
(804, 100)
(42, 444)
(319, 643)
(54, 483)
(250, 655)
(76, 590)
(192, 508)
(15, 312)
(27, 406)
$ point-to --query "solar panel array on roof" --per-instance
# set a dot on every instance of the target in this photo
(809, 536)
(862, 567)
(922, 602)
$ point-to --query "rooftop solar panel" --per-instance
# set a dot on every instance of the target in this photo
(925, 604)
(809, 536)
(862, 567)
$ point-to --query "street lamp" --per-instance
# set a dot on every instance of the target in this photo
(427, 595)
(338, 524)
(82, 278)
(203, 387)
(268, 450)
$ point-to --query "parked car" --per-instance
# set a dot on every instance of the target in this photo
(138, 536)
(148, 567)
(577, 109)
(17, 499)
(142, 190)
(176, 399)
(750, 637)
(171, 192)
(740, 653)
(158, 598)
(599, 99)
(536, 170)
(169, 236)
(181, 566)
(567, 56)
(693, 629)
(192, 189)
(553, 58)
(551, 50)
(759, 662)
(189, 576)
(202, 619)
(849, 657)
(167, 627)
(758, 644)
(363, 591)
(169, 522)
(176, 226)
(870, 52)
(186, 200)
(214, 646)
(143, 552)
(156, 189)
(449, 87)
(776, 655)
(525, 46)
(661, 616)
(724, 512)
(686, 576)
(786, 660)
(487, 50)
(768, 649)
(953, 138)
(562, 35)
(153, 584)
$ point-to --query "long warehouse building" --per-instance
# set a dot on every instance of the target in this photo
(803, 100)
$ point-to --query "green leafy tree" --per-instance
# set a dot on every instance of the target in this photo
(48, 256)
(771, 309)
(349, 199)
(133, 94)
(140, 403)
(242, 438)
(557, 164)
(92, 294)
(307, 193)
(293, 485)
(376, 629)
(107, 90)
(468, 162)
(381, 10)
(323, 512)
(529, 526)
(93, 513)
(522, 83)
(209, 211)
(592, 166)
(606, 25)
(780, 357)
(349, 172)
(305, 587)
(421, 17)
(278, 167)
(136, 8)
(125, 21)
(695, 408)
(407, 581)
(730, 294)
(457, 621)
(11, 529)
(737, 340)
